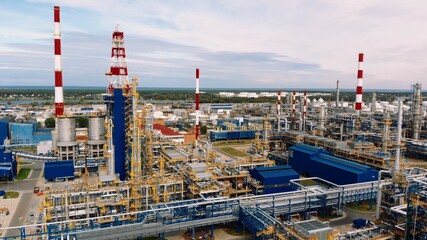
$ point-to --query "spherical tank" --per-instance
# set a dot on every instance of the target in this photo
(96, 128)
(67, 129)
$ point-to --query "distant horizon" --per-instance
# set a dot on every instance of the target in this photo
(218, 89)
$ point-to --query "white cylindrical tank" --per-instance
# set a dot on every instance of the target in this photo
(96, 128)
(66, 129)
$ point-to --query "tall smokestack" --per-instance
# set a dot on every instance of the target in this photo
(374, 103)
(304, 110)
(197, 104)
(399, 139)
(293, 109)
(359, 89)
(416, 111)
(337, 103)
(279, 110)
(59, 92)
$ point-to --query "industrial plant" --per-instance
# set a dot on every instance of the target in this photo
(286, 170)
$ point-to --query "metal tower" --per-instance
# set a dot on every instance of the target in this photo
(119, 100)
(416, 111)
(118, 70)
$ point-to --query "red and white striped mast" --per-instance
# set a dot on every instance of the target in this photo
(59, 91)
(304, 110)
(118, 70)
(293, 109)
(279, 110)
(197, 104)
(359, 89)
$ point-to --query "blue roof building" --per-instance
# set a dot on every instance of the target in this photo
(273, 179)
(316, 162)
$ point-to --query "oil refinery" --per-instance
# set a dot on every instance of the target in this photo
(303, 161)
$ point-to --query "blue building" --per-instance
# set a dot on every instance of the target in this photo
(8, 164)
(273, 179)
(58, 169)
(27, 133)
(4, 130)
(316, 162)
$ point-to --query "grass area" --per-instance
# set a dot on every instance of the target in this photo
(233, 151)
(219, 144)
(31, 149)
(23, 174)
(24, 163)
(11, 194)
(361, 206)
(308, 182)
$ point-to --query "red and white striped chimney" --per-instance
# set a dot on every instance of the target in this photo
(197, 103)
(359, 89)
(59, 92)
(293, 106)
(279, 111)
(304, 110)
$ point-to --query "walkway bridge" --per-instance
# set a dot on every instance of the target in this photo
(181, 215)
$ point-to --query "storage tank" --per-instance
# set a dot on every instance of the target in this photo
(66, 129)
(96, 128)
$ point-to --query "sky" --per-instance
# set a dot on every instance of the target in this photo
(235, 43)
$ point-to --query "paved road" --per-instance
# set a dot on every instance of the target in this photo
(26, 188)
(351, 214)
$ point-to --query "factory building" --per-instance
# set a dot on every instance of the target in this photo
(8, 163)
(272, 179)
(28, 133)
(316, 162)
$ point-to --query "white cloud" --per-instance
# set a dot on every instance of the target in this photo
(321, 36)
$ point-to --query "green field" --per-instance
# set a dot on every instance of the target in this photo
(233, 152)
(219, 144)
(23, 174)
(24, 163)
(11, 195)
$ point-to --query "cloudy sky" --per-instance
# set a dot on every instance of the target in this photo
(236, 43)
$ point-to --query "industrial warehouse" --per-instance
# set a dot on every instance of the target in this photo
(285, 173)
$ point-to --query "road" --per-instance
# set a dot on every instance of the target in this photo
(26, 188)
(351, 214)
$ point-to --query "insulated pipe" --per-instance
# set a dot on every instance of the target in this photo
(359, 89)
(380, 185)
(59, 92)
(399, 139)
(197, 104)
